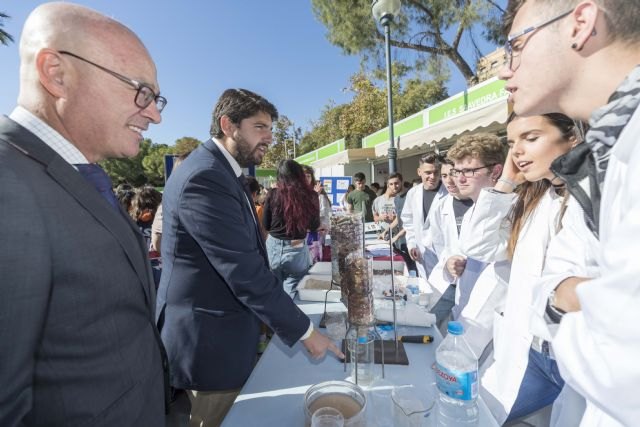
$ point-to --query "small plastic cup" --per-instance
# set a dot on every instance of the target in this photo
(327, 417)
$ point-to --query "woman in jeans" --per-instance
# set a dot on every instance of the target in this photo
(290, 210)
(515, 220)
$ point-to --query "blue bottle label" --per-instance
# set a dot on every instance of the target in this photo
(456, 384)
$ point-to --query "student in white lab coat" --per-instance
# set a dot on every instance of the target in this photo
(419, 201)
(480, 286)
(588, 53)
(443, 229)
(517, 226)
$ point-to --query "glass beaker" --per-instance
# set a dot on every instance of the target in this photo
(361, 346)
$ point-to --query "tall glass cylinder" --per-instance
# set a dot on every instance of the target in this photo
(347, 243)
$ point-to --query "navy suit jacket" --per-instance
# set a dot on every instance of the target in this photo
(216, 284)
(78, 343)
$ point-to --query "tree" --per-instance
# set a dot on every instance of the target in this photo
(185, 145)
(5, 37)
(129, 170)
(431, 27)
(282, 147)
(153, 163)
(367, 112)
(323, 131)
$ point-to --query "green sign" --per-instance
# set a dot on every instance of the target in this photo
(322, 152)
(467, 100)
(403, 127)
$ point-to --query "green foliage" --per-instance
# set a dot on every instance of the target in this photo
(5, 37)
(153, 163)
(185, 145)
(367, 112)
(323, 131)
(282, 146)
(147, 167)
(129, 170)
(430, 27)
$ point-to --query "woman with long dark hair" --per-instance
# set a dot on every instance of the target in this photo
(515, 220)
(290, 211)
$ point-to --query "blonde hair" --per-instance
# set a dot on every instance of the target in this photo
(483, 146)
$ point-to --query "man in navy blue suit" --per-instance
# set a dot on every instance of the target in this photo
(216, 286)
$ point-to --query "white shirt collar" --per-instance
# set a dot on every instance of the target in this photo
(233, 162)
(48, 135)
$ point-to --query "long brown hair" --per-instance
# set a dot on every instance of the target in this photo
(530, 193)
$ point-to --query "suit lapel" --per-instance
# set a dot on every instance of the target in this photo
(215, 151)
(117, 223)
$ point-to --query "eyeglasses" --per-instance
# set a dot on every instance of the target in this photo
(468, 173)
(144, 94)
(512, 51)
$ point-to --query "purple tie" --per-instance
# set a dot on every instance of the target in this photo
(100, 180)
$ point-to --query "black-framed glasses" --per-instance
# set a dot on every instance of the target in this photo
(512, 52)
(144, 93)
(468, 173)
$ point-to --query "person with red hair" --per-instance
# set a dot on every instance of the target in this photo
(290, 210)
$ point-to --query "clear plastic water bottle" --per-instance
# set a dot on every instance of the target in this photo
(413, 288)
(457, 380)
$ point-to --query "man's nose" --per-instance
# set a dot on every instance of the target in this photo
(505, 72)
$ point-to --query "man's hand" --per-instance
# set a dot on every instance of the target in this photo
(566, 298)
(455, 265)
(414, 253)
(318, 344)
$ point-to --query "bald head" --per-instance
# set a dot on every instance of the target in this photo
(89, 77)
(70, 27)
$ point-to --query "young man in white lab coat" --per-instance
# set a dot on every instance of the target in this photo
(480, 286)
(419, 201)
(589, 53)
(443, 231)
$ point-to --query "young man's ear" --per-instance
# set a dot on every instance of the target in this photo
(496, 171)
(227, 126)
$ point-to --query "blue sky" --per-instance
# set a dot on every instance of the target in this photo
(202, 47)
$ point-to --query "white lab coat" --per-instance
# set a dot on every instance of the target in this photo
(598, 348)
(487, 281)
(416, 226)
(487, 242)
(442, 232)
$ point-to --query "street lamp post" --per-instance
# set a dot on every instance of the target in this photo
(384, 11)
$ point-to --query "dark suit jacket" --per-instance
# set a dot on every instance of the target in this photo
(78, 344)
(216, 285)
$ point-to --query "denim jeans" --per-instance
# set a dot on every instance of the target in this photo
(287, 262)
(540, 386)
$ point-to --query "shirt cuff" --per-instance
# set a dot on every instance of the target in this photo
(309, 331)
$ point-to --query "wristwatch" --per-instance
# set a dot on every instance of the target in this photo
(554, 313)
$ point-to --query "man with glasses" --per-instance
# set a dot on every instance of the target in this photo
(78, 343)
(480, 286)
(589, 58)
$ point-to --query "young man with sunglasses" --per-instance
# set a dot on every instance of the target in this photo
(588, 52)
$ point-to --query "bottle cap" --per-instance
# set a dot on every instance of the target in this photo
(455, 328)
